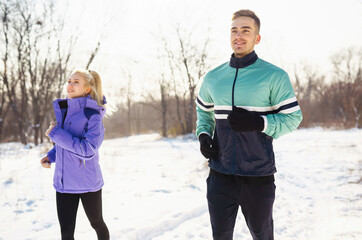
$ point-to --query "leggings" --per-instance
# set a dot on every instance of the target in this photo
(67, 206)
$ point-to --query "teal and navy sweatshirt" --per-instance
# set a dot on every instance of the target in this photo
(255, 85)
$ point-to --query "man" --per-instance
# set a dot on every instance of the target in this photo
(242, 105)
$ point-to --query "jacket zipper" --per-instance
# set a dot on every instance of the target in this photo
(232, 97)
(62, 180)
(234, 134)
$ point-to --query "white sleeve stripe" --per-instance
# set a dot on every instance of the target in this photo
(260, 109)
(222, 107)
(203, 108)
(221, 116)
(285, 102)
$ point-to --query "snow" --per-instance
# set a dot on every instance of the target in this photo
(155, 189)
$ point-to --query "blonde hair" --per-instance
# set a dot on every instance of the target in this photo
(93, 80)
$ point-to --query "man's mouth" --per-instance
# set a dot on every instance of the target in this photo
(239, 43)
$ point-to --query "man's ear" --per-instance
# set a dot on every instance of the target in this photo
(257, 40)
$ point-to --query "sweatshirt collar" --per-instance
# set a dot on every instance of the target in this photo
(243, 62)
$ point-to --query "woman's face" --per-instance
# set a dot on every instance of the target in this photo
(77, 86)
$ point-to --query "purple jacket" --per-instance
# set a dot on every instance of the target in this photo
(78, 135)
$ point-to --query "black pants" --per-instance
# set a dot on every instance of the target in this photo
(67, 206)
(225, 193)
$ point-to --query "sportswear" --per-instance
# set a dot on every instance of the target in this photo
(257, 86)
(77, 136)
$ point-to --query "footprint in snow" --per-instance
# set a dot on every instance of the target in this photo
(9, 182)
(161, 191)
(29, 203)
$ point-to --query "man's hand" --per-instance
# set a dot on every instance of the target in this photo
(45, 162)
(207, 147)
(242, 120)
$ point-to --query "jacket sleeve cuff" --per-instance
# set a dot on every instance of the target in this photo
(198, 136)
(53, 132)
(270, 127)
(51, 159)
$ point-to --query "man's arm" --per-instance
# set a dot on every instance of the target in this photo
(286, 115)
(205, 124)
(205, 112)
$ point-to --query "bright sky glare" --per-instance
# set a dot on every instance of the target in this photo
(293, 32)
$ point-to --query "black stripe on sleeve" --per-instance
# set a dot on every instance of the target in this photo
(205, 106)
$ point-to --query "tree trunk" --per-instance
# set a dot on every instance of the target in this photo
(164, 110)
(129, 116)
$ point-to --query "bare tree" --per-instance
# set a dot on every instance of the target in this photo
(348, 83)
(310, 88)
(160, 104)
(21, 23)
(337, 102)
(42, 63)
(93, 54)
(4, 105)
(163, 90)
(192, 65)
(187, 63)
(127, 92)
(173, 83)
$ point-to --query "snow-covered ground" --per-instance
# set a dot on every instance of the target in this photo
(155, 189)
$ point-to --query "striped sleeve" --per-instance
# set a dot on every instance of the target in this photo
(205, 111)
(206, 106)
(285, 114)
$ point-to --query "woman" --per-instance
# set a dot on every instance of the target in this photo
(78, 134)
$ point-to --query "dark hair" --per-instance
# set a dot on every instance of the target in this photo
(247, 13)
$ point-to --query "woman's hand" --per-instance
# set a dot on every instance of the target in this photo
(45, 162)
(51, 126)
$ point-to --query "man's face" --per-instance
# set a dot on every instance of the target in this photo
(243, 36)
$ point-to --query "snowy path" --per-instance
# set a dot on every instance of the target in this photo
(155, 189)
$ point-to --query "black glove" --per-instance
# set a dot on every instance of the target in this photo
(207, 147)
(242, 120)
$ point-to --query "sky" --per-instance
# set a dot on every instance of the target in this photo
(293, 32)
